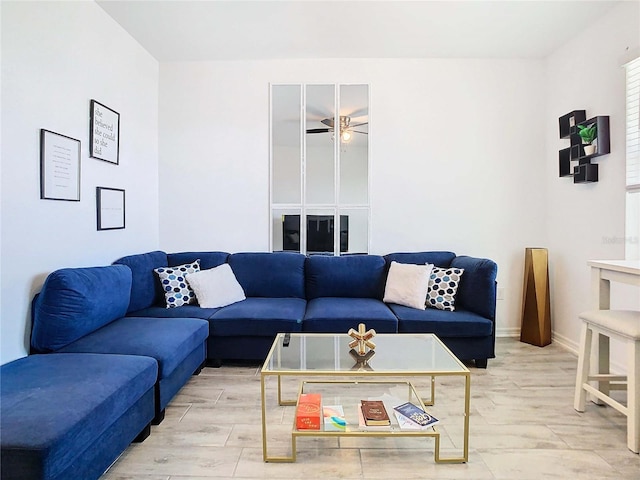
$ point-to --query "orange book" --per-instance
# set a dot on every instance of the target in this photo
(309, 413)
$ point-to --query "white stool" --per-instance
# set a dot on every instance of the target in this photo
(623, 325)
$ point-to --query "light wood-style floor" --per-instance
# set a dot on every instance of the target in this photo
(523, 426)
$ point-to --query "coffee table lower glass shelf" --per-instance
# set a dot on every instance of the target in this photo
(348, 394)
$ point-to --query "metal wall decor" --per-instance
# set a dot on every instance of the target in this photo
(588, 139)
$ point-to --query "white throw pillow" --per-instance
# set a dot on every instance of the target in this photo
(216, 287)
(407, 284)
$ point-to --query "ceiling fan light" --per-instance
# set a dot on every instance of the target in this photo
(346, 136)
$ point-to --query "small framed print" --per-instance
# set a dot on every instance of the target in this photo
(110, 206)
(104, 134)
(59, 167)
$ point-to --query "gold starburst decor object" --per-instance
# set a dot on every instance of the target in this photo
(362, 339)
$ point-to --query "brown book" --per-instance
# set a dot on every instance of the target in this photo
(374, 413)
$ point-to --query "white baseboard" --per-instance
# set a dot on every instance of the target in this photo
(508, 332)
(562, 341)
(565, 343)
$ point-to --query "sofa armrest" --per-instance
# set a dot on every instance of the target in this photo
(477, 290)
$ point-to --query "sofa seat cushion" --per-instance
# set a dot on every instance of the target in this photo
(185, 311)
(337, 314)
(259, 317)
(54, 406)
(74, 302)
(168, 340)
(441, 322)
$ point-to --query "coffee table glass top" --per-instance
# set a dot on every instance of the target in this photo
(330, 353)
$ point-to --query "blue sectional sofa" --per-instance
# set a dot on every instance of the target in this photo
(290, 292)
(108, 356)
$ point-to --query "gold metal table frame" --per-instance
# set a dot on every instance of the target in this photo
(307, 356)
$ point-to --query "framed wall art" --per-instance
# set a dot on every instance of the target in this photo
(110, 206)
(104, 133)
(59, 167)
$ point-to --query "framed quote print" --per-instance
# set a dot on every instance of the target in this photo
(110, 206)
(59, 167)
(104, 134)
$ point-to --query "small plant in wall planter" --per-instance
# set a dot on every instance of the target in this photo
(588, 134)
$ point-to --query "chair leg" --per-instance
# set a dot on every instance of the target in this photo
(633, 397)
(582, 373)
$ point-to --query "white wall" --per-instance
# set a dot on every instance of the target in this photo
(587, 73)
(463, 154)
(56, 57)
(457, 156)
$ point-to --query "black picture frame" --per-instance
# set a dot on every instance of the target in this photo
(59, 167)
(110, 208)
(104, 133)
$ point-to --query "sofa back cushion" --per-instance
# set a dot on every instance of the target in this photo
(439, 259)
(77, 301)
(272, 275)
(477, 290)
(208, 260)
(146, 290)
(355, 276)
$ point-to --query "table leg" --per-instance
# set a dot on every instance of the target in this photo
(601, 293)
(467, 400)
(265, 456)
(264, 419)
(465, 454)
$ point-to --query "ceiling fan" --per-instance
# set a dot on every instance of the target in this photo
(346, 128)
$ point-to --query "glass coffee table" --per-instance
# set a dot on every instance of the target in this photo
(349, 377)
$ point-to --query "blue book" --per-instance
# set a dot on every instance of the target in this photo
(416, 414)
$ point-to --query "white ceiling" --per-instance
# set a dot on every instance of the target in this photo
(186, 30)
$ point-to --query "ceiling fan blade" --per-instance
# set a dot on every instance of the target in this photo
(319, 130)
(357, 131)
(359, 112)
(328, 122)
(358, 124)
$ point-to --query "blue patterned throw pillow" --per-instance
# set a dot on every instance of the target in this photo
(443, 286)
(177, 291)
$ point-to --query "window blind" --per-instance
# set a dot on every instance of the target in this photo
(632, 220)
(633, 125)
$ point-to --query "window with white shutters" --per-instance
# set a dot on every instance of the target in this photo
(632, 234)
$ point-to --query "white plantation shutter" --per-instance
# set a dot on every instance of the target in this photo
(633, 124)
(632, 234)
